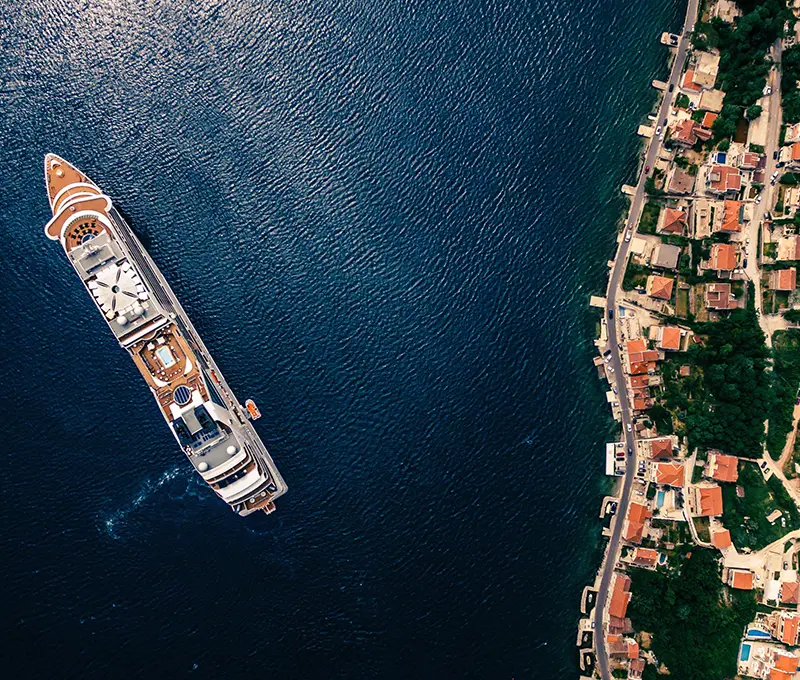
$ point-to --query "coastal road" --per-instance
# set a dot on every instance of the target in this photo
(614, 282)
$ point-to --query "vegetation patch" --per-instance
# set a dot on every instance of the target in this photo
(785, 383)
(746, 516)
(680, 607)
(649, 219)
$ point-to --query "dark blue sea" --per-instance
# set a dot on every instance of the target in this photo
(385, 219)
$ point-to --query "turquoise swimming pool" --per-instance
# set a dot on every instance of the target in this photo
(745, 655)
(756, 634)
(660, 499)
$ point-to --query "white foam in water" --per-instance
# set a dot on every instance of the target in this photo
(149, 487)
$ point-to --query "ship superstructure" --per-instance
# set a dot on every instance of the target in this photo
(210, 425)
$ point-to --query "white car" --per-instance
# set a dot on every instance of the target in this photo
(767, 91)
(747, 242)
(629, 428)
(758, 200)
(658, 131)
(774, 176)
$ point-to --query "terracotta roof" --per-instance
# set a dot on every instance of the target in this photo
(646, 556)
(749, 160)
(633, 650)
(730, 222)
(620, 597)
(638, 514)
(674, 221)
(670, 474)
(639, 381)
(688, 82)
(786, 662)
(685, 370)
(686, 132)
(708, 119)
(789, 592)
(723, 178)
(718, 296)
(724, 468)
(721, 539)
(670, 337)
(660, 287)
(791, 626)
(723, 257)
(776, 674)
(783, 279)
(660, 448)
(796, 151)
(709, 501)
(638, 345)
(741, 580)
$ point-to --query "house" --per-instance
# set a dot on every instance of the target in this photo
(680, 181)
(635, 669)
(732, 218)
(722, 468)
(790, 592)
(741, 579)
(794, 156)
(661, 447)
(783, 279)
(670, 338)
(688, 132)
(620, 596)
(633, 529)
(659, 287)
(723, 258)
(670, 474)
(645, 557)
(727, 10)
(687, 83)
(702, 218)
(721, 539)
(705, 69)
(708, 119)
(719, 297)
(708, 501)
(786, 627)
(748, 160)
(723, 179)
(789, 248)
(792, 133)
(784, 666)
(672, 221)
(711, 100)
(665, 256)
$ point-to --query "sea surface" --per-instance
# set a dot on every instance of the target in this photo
(385, 219)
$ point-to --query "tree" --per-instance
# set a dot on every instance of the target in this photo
(753, 112)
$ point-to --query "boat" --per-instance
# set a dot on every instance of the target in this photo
(210, 425)
(252, 409)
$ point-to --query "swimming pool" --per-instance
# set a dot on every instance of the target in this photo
(756, 634)
(745, 655)
(721, 158)
(165, 356)
(660, 499)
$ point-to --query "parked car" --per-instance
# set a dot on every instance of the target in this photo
(628, 235)
(647, 168)
(658, 131)
(610, 313)
(775, 156)
(672, 87)
(767, 91)
(629, 428)
(758, 200)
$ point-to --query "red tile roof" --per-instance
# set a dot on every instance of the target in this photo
(660, 448)
(730, 222)
(786, 662)
(688, 82)
(708, 119)
(724, 468)
(633, 650)
(796, 151)
(660, 287)
(784, 279)
(638, 514)
(723, 178)
(723, 257)
(620, 597)
(670, 474)
(790, 628)
(789, 592)
(709, 501)
(674, 221)
(670, 338)
(741, 580)
(718, 296)
(646, 556)
(749, 160)
(636, 346)
(721, 539)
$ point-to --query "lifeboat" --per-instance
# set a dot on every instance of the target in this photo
(252, 409)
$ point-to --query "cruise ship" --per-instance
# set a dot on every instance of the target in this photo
(211, 426)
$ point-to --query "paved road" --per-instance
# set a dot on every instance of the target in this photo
(617, 272)
(753, 270)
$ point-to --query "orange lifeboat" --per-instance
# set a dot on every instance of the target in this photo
(252, 409)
